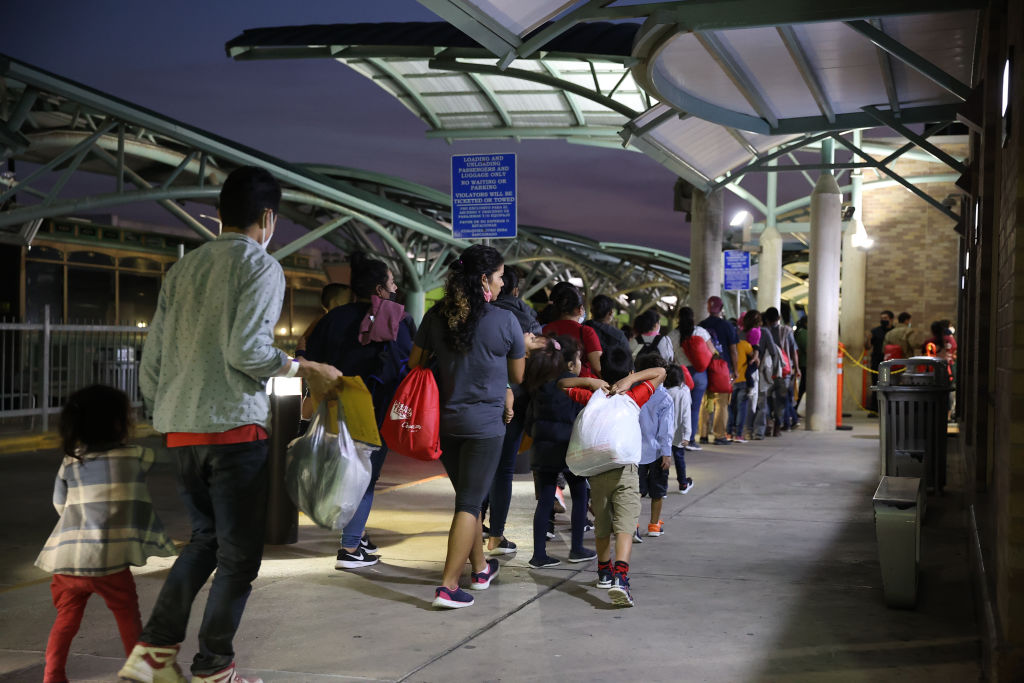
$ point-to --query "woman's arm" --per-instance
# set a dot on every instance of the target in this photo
(594, 358)
(516, 368)
(417, 357)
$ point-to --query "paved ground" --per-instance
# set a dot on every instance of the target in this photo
(768, 572)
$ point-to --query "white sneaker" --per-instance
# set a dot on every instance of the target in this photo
(685, 488)
(152, 664)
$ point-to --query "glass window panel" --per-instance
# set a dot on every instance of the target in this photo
(138, 298)
(44, 285)
(91, 296)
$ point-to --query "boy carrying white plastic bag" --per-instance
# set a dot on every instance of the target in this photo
(614, 484)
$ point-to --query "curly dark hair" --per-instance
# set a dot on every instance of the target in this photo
(463, 303)
(97, 417)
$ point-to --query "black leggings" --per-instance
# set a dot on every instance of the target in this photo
(546, 482)
(470, 464)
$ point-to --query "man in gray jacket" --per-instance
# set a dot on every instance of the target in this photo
(205, 366)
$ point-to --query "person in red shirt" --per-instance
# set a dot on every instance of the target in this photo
(565, 315)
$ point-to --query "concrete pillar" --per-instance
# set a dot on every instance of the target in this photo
(769, 263)
(852, 282)
(769, 269)
(706, 268)
(415, 304)
(823, 304)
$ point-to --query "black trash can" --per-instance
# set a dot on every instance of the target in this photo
(913, 398)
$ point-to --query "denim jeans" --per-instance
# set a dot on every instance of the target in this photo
(700, 385)
(761, 413)
(546, 482)
(679, 457)
(224, 488)
(737, 409)
(353, 531)
(500, 498)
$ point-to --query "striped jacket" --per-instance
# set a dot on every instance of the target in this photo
(107, 521)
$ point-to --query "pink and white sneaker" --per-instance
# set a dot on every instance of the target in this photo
(482, 580)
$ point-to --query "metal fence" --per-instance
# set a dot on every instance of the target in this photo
(41, 364)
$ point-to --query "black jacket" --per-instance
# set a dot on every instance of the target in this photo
(523, 312)
(549, 421)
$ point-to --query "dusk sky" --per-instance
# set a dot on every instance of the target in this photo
(169, 57)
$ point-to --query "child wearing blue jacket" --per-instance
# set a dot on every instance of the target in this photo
(657, 426)
(549, 422)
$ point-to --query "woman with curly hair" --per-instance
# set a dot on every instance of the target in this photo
(477, 350)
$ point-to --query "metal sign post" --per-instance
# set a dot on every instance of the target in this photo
(484, 196)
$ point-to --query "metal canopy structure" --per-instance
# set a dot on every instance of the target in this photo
(594, 82)
(63, 129)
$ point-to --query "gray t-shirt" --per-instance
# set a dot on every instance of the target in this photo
(472, 384)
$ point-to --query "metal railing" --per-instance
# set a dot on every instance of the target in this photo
(41, 364)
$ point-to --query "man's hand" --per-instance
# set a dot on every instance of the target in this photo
(321, 378)
(666, 462)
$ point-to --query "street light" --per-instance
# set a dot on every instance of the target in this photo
(860, 238)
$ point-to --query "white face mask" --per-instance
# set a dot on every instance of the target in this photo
(583, 316)
(264, 240)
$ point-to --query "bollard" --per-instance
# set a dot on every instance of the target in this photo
(285, 407)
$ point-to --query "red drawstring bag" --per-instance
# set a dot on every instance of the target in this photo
(412, 426)
(697, 351)
(718, 377)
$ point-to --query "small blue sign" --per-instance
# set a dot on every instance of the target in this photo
(483, 196)
(737, 270)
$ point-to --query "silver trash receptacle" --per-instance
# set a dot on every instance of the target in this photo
(899, 503)
(913, 396)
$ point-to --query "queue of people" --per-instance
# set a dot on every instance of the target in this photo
(502, 372)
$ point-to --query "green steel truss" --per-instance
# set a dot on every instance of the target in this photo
(56, 130)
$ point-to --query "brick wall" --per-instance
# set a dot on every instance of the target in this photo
(913, 264)
(1008, 437)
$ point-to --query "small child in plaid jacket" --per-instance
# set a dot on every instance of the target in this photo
(107, 522)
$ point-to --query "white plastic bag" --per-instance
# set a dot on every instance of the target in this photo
(327, 473)
(606, 435)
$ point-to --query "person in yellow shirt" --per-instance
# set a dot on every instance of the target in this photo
(738, 404)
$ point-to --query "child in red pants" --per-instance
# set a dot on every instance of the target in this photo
(107, 522)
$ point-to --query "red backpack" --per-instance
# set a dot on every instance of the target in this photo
(787, 366)
(412, 426)
(697, 351)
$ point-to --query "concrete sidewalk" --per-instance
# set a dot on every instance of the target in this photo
(767, 571)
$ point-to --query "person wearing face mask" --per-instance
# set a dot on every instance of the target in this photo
(204, 371)
(874, 342)
(564, 316)
(477, 351)
(341, 338)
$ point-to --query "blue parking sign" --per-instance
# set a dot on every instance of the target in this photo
(737, 270)
(483, 196)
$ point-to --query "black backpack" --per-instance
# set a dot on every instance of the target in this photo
(649, 347)
(608, 341)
